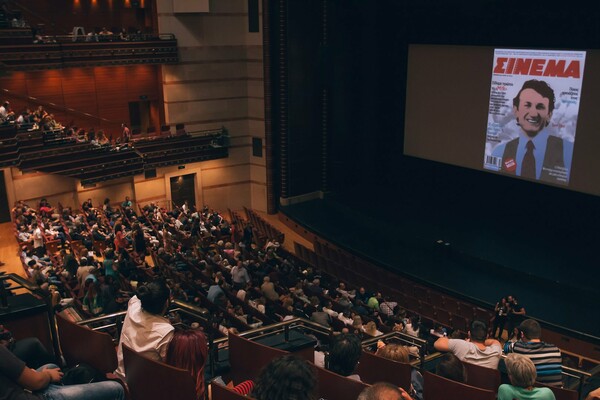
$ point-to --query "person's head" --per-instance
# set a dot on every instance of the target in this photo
(344, 354)
(478, 332)
(521, 370)
(154, 297)
(395, 352)
(451, 367)
(398, 326)
(533, 106)
(286, 377)
(371, 328)
(381, 390)
(188, 350)
(530, 329)
(357, 322)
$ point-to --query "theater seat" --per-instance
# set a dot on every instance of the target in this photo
(83, 345)
(153, 380)
(482, 377)
(437, 387)
(332, 386)
(560, 393)
(373, 368)
(247, 358)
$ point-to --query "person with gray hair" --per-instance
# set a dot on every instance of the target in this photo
(383, 391)
(522, 375)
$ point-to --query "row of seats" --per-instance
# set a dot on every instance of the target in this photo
(439, 308)
(263, 228)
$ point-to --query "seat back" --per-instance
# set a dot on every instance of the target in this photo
(80, 344)
(373, 368)
(247, 358)
(560, 393)
(153, 380)
(437, 387)
(482, 377)
(220, 392)
(332, 386)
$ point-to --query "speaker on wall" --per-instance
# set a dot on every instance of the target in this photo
(253, 20)
(150, 173)
(257, 147)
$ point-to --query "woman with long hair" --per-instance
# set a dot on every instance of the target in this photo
(188, 350)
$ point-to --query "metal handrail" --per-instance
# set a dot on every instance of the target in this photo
(114, 38)
(403, 337)
(286, 326)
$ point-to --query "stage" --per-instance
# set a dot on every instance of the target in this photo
(477, 257)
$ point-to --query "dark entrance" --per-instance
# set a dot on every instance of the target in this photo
(182, 189)
(4, 210)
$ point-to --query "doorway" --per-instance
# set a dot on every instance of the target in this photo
(4, 209)
(143, 115)
(183, 188)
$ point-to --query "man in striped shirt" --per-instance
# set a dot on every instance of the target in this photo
(546, 357)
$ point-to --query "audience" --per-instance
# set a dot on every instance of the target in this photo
(522, 375)
(219, 272)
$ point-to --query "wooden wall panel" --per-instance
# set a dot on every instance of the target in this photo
(111, 85)
(104, 92)
(143, 80)
(14, 81)
(46, 86)
(79, 86)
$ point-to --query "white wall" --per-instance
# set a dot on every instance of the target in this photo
(218, 82)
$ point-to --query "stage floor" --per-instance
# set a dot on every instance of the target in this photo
(554, 278)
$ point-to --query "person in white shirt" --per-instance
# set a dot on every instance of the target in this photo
(145, 330)
(478, 349)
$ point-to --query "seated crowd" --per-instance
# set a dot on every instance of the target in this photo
(101, 260)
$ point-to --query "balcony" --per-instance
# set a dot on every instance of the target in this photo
(18, 52)
(52, 152)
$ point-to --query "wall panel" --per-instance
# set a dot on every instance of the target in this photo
(103, 92)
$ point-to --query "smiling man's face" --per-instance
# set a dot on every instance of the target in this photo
(533, 113)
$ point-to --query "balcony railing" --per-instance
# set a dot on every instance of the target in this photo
(52, 52)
